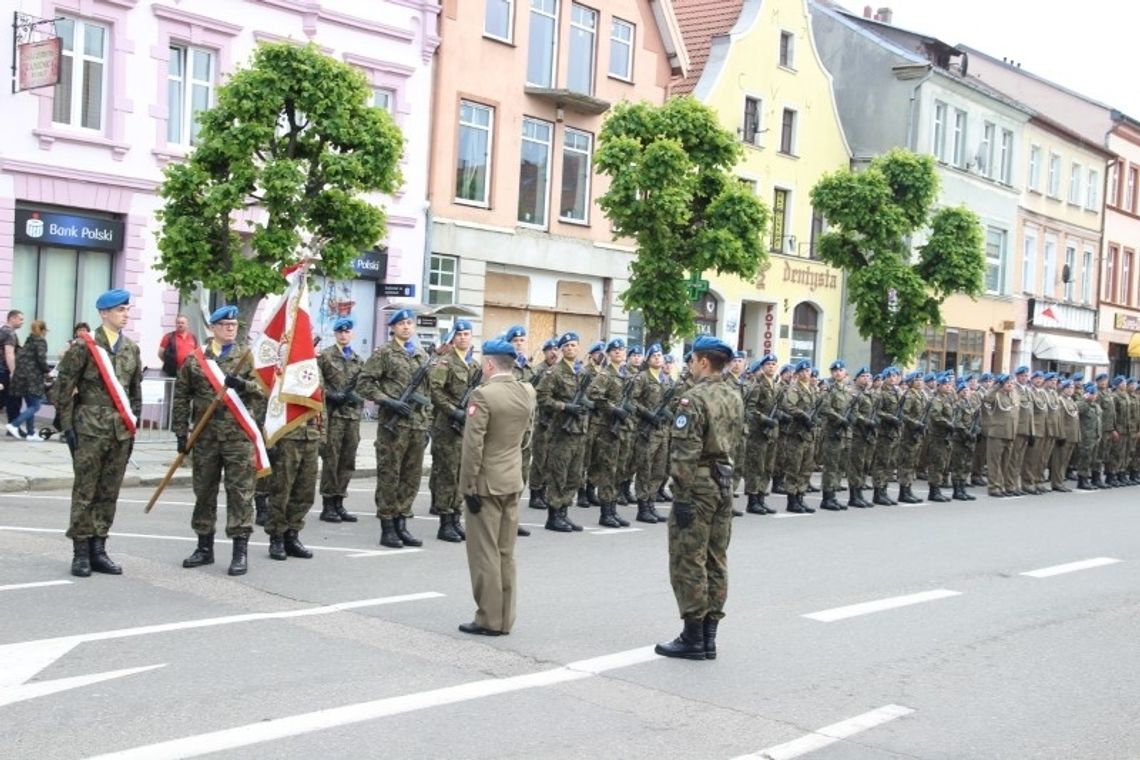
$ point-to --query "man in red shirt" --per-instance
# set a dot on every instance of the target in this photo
(176, 346)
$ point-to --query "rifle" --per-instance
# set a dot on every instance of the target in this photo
(847, 415)
(647, 427)
(409, 395)
(472, 384)
(579, 397)
(626, 393)
(976, 427)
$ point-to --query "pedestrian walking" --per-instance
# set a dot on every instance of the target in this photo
(29, 382)
(9, 345)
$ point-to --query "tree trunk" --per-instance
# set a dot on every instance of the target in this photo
(247, 305)
(879, 358)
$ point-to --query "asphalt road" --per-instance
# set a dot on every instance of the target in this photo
(952, 652)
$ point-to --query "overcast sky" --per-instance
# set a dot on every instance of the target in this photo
(1075, 43)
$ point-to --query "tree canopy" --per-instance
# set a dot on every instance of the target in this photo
(672, 190)
(873, 216)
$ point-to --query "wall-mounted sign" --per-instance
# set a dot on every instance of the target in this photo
(396, 290)
(812, 276)
(427, 321)
(769, 325)
(1127, 322)
(1061, 316)
(39, 64)
(371, 265)
(68, 230)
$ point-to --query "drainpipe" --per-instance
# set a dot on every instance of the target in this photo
(911, 116)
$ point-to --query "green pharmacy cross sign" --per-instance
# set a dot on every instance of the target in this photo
(697, 287)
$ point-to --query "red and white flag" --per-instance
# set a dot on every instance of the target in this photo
(285, 360)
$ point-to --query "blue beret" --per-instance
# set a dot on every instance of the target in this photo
(655, 348)
(1102, 376)
(400, 315)
(1116, 381)
(754, 367)
(945, 378)
(862, 371)
(514, 331)
(570, 337)
(615, 344)
(787, 368)
(838, 364)
(1077, 377)
(342, 324)
(1132, 381)
(223, 312)
(986, 377)
(498, 347)
(962, 386)
(768, 359)
(1090, 387)
(460, 325)
(802, 365)
(1050, 375)
(634, 349)
(1065, 384)
(891, 370)
(1022, 370)
(714, 345)
(1037, 374)
(815, 371)
(929, 377)
(669, 358)
(598, 346)
(552, 343)
(739, 355)
(112, 298)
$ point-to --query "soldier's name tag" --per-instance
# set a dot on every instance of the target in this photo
(682, 421)
(471, 410)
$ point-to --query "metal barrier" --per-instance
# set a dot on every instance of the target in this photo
(157, 410)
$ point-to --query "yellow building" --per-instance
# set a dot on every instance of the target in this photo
(755, 63)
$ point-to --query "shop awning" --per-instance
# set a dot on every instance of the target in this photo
(1073, 350)
(1134, 346)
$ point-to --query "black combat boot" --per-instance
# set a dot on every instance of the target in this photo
(100, 562)
(753, 507)
(880, 497)
(811, 488)
(538, 499)
(239, 563)
(277, 548)
(936, 495)
(555, 521)
(458, 525)
(81, 558)
(852, 500)
(328, 509)
(573, 525)
(345, 515)
(690, 645)
(388, 536)
(627, 492)
(794, 505)
(260, 509)
(1083, 483)
(1062, 488)
(609, 519)
(644, 513)
(406, 538)
(859, 497)
(294, 547)
(906, 496)
(663, 494)
(979, 481)
(803, 505)
(1096, 482)
(447, 531)
(830, 503)
(778, 485)
(710, 627)
(522, 531)
(592, 495)
(204, 554)
(621, 521)
(583, 498)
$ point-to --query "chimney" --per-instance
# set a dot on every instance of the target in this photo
(867, 12)
(885, 15)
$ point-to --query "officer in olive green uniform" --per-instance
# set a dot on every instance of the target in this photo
(1026, 433)
(798, 405)
(401, 435)
(1068, 439)
(763, 429)
(98, 425)
(705, 436)
(836, 411)
(651, 396)
(524, 372)
(562, 394)
(1032, 465)
(1000, 419)
(340, 369)
(223, 448)
(452, 379)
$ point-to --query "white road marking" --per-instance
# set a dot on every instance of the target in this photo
(296, 725)
(828, 735)
(67, 497)
(38, 584)
(12, 694)
(866, 608)
(614, 531)
(1071, 567)
(786, 515)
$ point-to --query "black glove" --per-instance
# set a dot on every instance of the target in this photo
(235, 382)
(920, 427)
(664, 418)
(871, 425)
(71, 439)
(457, 416)
(181, 447)
(783, 417)
(842, 423)
(588, 405)
(1032, 440)
(577, 409)
(683, 513)
(648, 416)
(352, 398)
(621, 413)
(473, 502)
(334, 398)
(396, 406)
(130, 449)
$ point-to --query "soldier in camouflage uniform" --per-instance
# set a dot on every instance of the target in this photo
(1110, 436)
(627, 459)
(798, 405)
(1088, 413)
(1119, 459)
(537, 463)
(292, 489)
(705, 435)
(1134, 439)
(650, 397)
(914, 427)
(401, 435)
(223, 449)
(340, 371)
(451, 378)
(862, 439)
(978, 466)
(887, 415)
(943, 419)
(779, 470)
(607, 392)
(962, 437)
(836, 412)
(587, 491)
(763, 428)
(96, 430)
(737, 376)
(560, 397)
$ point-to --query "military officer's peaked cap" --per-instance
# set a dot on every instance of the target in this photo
(112, 299)
(615, 344)
(400, 315)
(498, 347)
(223, 312)
(570, 337)
(343, 324)
(713, 345)
(514, 331)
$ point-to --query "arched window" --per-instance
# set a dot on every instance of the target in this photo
(805, 332)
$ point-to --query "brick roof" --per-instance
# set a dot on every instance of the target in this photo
(700, 21)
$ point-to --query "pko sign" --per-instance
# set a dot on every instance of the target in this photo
(68, 230)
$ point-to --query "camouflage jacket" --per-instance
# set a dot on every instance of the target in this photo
(559, 386)
(387, 373)
(339, 376)
(1089, 415)
(193, 393)
(760, 404)
(943, 416)
(646, 397)
(524, 371)
(1123, 409)
(449, 376)
(707, 430)
(887, 406)
(798, 403)
(836, 405)
(85, 404)
(606, 391)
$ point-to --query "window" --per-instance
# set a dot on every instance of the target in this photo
(1070, 269)
(382, 97)
(779, 220)
(1130, 191)
(751, 130)
(1075, 174)
(938, 146)
(959, 157)
(1109, 287)
(1114, 184)
(583, 31)
(788, 132)
(58, 285)
(1087, 276)
(995, 260)
(787, 50)
(1092, 197)
(622, 35)
(818, 226)
(473, 170)
(543, 38)
(1049, 276)
(1034, 181)
(805, 332)
(443, 285)
(1005, 163)
(1054, 175)
(576, 154)
(497, 19)
(78, 98)
(953, 349)
(534, 172)
(189, 91)
(1029, 262)
(986, 150)
(1126, 279)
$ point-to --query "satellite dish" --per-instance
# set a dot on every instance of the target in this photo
(1066, 274)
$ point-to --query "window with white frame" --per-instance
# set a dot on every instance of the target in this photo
(80, 97)
(1075, 175)
(473, 166)
(577, 147)
(1033, 182)
(583, 41)
(750, 132)
(1071, 264)
(443, 280)
(1005, 161)
(788, 132)
(938, 143)
(1130, 190)
(1029, 261)
(986, 149)
(1113, 184)
(534, 172)
(543, 41)
(1109, 284)
(1049, 275)
(787, 50)
(960, 123)
(1092, 193)
(1087, 275)
(383, 97)
(622, 37)
(995, 260)
(498, 19)
(1126, 278)
(1054, 175)
(189, 91)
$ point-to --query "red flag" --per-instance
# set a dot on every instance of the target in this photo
(1047, 312)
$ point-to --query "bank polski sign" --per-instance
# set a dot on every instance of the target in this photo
(68, 230)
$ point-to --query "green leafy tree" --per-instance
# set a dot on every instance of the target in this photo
(277, 173)
(873, 215)
(672, 190)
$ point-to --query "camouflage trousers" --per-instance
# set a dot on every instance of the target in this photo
(782, 456)
(627, 469)
(1114, 453)
(605, 459)
(564, 456)
(698, 554)
(859, 455)
(339, 458)
(759, 461)
(399, 468)
(978, 465)
(231, 459)
(961, 457)
(99, 464)
(908, 457)
(652, 455)
(294, 485)
(739, 462)
(883, 460)
(801, 453)
(1084, 455)
(833, 457)
(537, 460)
(937, 459)
(446, 448)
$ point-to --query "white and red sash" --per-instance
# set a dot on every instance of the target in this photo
(111, 382)
(233, 402)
